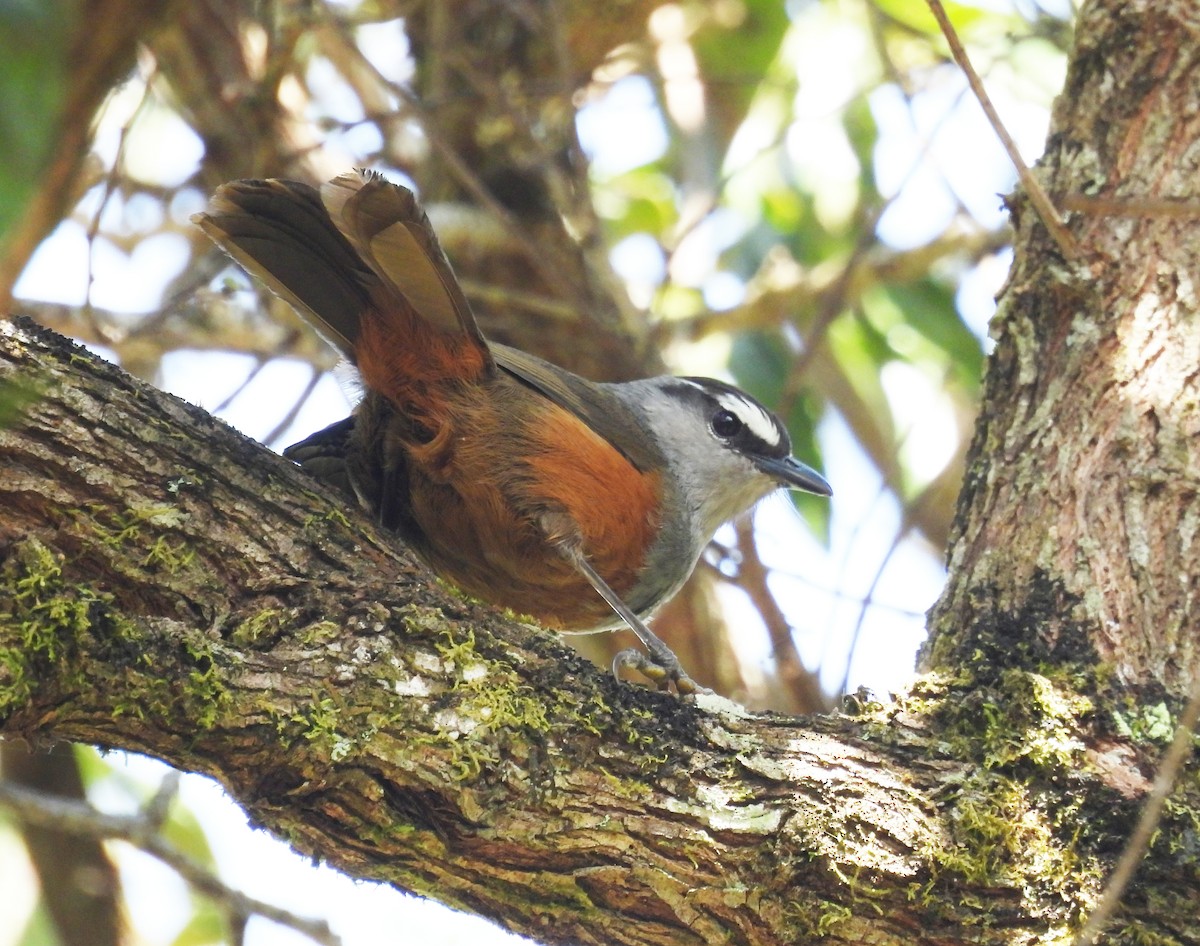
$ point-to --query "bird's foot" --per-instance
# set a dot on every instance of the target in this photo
(661, 668)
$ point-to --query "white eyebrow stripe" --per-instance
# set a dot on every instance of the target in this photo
(761, 424)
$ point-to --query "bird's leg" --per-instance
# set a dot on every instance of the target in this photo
(659, 664)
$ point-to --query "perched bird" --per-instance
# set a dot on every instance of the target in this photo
(584, 505)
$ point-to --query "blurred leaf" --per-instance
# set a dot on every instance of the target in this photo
(206, 925)
(858, 352)
(786, 209)
(757, 27)
(641, 200)
(678, 302)
(928, 307)
(862, 131)
(208, 922)
(916, 16)
(40, 930)
(94, 768)
(185, 832)
(864, 339)
(35, 37)
(181, 828)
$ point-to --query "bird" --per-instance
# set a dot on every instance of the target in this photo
(584, 505)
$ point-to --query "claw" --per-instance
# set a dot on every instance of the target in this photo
(661, 669)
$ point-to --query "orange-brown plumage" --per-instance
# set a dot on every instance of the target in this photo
(501, 480)
(400, 356)
(581, 504)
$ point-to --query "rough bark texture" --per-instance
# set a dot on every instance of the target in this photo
(1078, 517)
(177, 590)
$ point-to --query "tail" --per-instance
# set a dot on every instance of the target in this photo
(280, 233)
(360, 261)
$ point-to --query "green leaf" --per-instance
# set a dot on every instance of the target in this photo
(641, 200)
(928, 308)
(35, 38)
(915, 14)
(735, 49)
(208, 924)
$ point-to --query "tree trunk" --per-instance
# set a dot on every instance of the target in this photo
(174, 589)
(1078, 514)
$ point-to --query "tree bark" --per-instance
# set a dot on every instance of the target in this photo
(177, 590)
(1077, 519)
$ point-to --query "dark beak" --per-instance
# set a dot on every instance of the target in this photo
(793, 474)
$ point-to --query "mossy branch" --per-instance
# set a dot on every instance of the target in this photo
(172, 588)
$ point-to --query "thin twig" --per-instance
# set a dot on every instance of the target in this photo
(535, 254)
(259, 364)
(294, 411)
(143, 832)
(1037, 196)
(110, 188)
(730, 577)
(1133, 206)
(867, 601)
(803, 684)
(1164, 781)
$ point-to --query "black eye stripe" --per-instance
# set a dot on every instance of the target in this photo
(758, 431)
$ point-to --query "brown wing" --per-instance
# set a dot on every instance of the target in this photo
(595, 404)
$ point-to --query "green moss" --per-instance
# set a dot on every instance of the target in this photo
(204, 696)
(147, 528)
(18, 395)
(831, 916)
(810, 918)
(1023, 717)
(1004, 836)
(56, 622)
(170, 556)
(457, 653)
(336, 516)
(1147, 725)
(1138, 934)
(321, 722)
(264, 625)
(268, 625)
(483, 707)
(45, 617)
(319, 633)
(421, 622)
(486, 708)
(181, 483)
(118, 529)
(1012, 819)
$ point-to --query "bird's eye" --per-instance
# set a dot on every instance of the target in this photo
(726, 424)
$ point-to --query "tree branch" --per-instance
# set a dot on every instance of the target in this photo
(177, 590)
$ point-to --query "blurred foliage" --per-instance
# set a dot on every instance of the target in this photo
(34, 44)
(798, 194)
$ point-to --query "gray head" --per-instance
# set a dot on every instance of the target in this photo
(726, 450)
